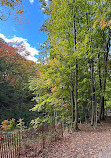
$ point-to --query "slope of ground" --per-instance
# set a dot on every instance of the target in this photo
(90, 142)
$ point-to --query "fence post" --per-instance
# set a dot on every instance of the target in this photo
(9, 144)
(19, 143)
(8, 153)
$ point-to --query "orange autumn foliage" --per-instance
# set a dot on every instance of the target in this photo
(16, 69)
(8, 7)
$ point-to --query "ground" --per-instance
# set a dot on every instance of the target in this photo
(89, 142)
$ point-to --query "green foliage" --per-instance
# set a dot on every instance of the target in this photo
(36, 123)
(21, 124)
(76, 30)
(56, 82)
(47, 103)
(15, 96)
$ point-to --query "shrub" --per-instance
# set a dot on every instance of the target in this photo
(7, 125)
(21, 125)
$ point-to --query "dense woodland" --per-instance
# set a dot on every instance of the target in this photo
(15, 96)
(72, 82)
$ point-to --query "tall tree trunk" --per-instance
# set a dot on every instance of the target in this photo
(102, 111)
(76, 96)
(101, 114)
(100, 83)
(94, 104)
(72, 89)
(99, 67)
(76, 71)
(72, 103)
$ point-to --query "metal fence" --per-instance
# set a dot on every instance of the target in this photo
(20, 144)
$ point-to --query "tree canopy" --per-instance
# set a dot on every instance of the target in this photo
(75, 61)
(15, 70)
(7, 7)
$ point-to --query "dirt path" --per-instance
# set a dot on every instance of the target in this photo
(106, 152)
(87, 143)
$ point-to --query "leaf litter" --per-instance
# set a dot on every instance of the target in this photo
(89, 142)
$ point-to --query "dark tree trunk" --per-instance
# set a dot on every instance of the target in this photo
(99, 67)
(94, 104)
(76, 72)
(100, 83)
(76, 96)
(101, 114)
(72, 92)
(72, 103)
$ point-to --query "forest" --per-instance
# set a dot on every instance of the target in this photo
(71, 83)
(74, 81)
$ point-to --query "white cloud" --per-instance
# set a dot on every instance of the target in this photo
(31, 1)
(28, 49)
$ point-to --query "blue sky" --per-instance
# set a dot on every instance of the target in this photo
(29, 34)
(29, 29)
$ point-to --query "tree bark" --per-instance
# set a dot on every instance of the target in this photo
(76, 96)
(94, 104)
(72, 103)
(103, 87)
(100, 83)
(76, 71)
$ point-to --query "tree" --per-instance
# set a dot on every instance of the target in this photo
(15, 97)
(8, 6)
(72, 58)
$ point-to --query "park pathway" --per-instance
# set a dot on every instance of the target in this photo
(90, 142)
(106, 152)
